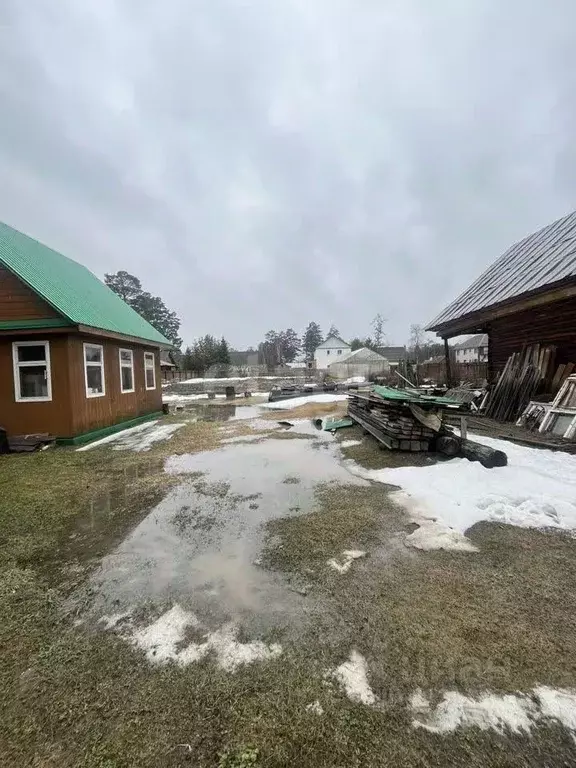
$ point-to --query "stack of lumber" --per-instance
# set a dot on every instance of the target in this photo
(391, 421)
(524, 374)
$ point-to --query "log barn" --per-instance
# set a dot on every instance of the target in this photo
(77, 362)
(528, 296)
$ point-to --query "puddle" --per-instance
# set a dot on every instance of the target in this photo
(217, 411)
(200, 546)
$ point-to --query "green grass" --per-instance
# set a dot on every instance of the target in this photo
(500, 620)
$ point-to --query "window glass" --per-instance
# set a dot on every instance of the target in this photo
(93, 354)
(127, 379)
(31, 353)
(94, 379)
(150, 370)
(126, 356)
(33, 381)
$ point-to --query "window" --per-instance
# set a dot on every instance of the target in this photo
(327, 351)
(339, 351)
(32, 378)
(126, 357)
(150, 370)
(94, 370)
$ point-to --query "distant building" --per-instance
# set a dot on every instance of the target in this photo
(395, 355)
(331, 350)
(363, 362)
(167, 362)
(472, 350)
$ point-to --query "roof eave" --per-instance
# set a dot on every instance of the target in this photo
(476, 322)
(91, 331)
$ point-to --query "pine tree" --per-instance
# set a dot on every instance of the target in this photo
(151, 308)
(333, 331)
(311, 340)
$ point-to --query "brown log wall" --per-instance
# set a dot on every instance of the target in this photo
(553, 323)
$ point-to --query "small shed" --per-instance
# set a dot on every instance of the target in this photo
(363, 362)
(528, 296)
(82, 362)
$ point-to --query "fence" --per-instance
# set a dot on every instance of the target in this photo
(473, 373)
(175, 375)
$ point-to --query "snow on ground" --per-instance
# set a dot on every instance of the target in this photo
(516, 712)
(140, 438)
(352, 675)
(237, 378)
(536, 490)
(286, 405)
(163, 640)
(350, 443)
(348, 557)
(176, 398)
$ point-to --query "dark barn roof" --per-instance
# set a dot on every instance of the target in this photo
(392, 354)
(542, 259)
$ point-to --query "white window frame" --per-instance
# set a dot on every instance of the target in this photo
(94, 365)
(31, 364)
(130, 365)
(147, 356)
(558, 410)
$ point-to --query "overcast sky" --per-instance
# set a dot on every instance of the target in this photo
(263, 163)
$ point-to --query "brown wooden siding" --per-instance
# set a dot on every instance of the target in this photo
(19, 302)
(553, 323)
(89, 413)
(70, 412)
(20, 418)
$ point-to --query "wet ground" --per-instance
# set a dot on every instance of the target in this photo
(201, 546)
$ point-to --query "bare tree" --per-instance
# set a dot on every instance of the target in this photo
(378, 325)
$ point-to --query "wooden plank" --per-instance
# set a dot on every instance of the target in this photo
(557, 377)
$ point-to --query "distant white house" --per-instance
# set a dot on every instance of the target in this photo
(472, 350)
(334, 348)
(363, 362)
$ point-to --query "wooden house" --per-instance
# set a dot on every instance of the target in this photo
(528, 296)
(77, 362)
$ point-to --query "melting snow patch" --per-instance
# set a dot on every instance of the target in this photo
(536, 490)
(295, 402)
(348, 557)
(162, 641)
(350, 443)
(140, 438)
(516, 712)
(315, 708)
(353, 677)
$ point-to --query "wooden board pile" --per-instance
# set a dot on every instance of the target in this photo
(392, 422)
(525, 374)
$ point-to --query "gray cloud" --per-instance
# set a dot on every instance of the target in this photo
(265, 164)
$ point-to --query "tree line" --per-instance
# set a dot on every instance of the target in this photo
(277, 348)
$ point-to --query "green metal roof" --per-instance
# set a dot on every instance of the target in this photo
(71, 288)
(410, 396)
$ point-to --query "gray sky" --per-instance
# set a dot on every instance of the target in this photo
(265, 163)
